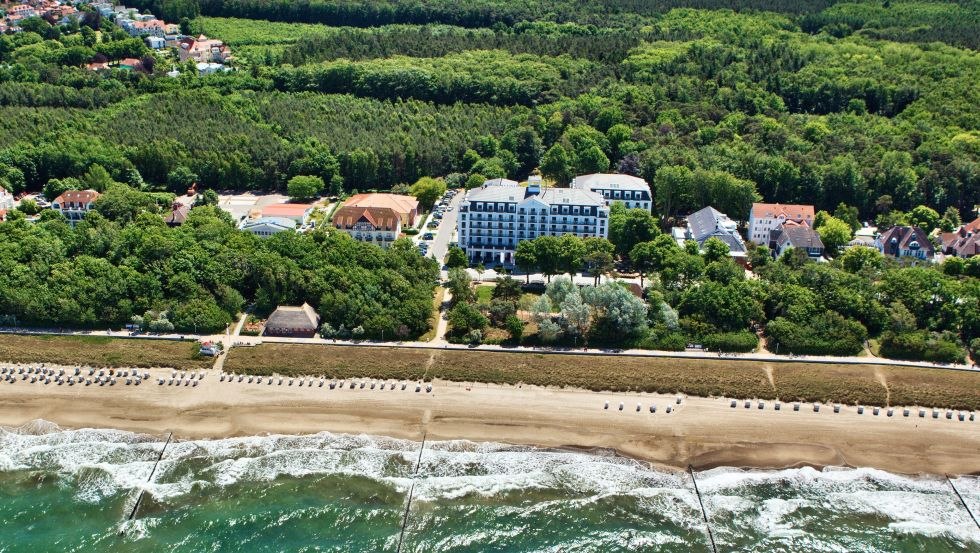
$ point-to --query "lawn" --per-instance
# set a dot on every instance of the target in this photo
(484, 294)
(829, 383)
(102, 351)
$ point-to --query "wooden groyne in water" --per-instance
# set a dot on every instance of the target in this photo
(704, 512)
(408, 504)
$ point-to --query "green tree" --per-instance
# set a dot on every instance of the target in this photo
(629, 227)
(556, 164)
(592, 160)
(459, 286)
(465, 317)
(835, 234)
(304, 187)
(715, 250)
(923, 217)
(456, 258)
(427, 191)
(597, 257)
(515, 327)
(507, 289)
(526, 258)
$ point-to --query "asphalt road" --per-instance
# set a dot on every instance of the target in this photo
(439, 246)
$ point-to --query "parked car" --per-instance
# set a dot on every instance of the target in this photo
(428, 236)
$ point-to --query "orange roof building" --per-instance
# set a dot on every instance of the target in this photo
(297, 212)
(407, 207)
(74, 204)
(377, 225)
(765, 218)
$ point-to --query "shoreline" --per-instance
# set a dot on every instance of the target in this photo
(702, 432)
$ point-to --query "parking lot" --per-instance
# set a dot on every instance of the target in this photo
(434, 241)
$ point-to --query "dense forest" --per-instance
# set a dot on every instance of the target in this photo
(868, 110)
(196, 278)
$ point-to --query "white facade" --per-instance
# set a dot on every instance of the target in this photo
(6, 200)
(267, 226)
(634, 192)
(499, 214)
(766, 218)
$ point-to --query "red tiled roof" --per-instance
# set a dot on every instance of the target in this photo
(285, 210)
(789, 211)
(397, 202)
(381, 218)
(77, 196)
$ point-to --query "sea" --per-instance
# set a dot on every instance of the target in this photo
(95, 490)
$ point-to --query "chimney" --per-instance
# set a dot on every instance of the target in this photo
(534, 184)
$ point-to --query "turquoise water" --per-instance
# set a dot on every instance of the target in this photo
(74, 491)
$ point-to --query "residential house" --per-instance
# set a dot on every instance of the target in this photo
(267, 226)
(74, 204)
(295, 322)
(375, 225)
(634, 192)
(6, 203)
(209, 68)
(496, 216)
(765, 218)
(406, 207)
(299, 213)
(155, 42)
(6, 199)
(902, 241)
(203, 50)
(964, 241)
(97, 66)
(178, 214)
(792, 234)
(864, 236)
(711, 223)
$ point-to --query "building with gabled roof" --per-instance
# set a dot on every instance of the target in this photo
(374, 225)
(74, 204)
(964, 241)
(407, 207)
(711, 223)
(765, 218)
(295, 322)
(792, 234)
(903, 241)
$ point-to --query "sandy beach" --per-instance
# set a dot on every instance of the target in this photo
(703, 432)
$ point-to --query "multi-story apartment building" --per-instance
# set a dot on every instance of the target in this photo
(634, 192)
(766, 218)
(501, 213)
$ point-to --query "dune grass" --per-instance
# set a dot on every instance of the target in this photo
(930, 388)
(791, 381)
(848, 384)
(331, 362)
(102, 351)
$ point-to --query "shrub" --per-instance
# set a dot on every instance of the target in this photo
(826, 334)
(742, 342)
(921, 346)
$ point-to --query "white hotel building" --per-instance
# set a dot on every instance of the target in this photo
(501, 213)
(634, 192)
